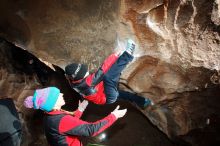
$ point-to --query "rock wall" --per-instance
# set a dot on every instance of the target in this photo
(176, 61)
(60, 31)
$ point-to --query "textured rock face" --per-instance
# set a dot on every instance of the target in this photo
(179, 32)
(60, 31)
(178, 49)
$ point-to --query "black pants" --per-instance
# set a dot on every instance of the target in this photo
(10, 126)
(111, 78)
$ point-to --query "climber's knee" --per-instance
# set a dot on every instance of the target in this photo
(111, 98)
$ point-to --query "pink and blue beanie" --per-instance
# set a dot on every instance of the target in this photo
(43, 99)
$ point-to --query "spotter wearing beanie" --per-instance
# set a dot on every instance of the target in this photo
(43, 99)
(76, 71)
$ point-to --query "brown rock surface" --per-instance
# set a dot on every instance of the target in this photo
(176, 63)
(179, 49)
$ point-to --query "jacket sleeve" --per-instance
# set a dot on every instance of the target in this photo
(78, 113)
(72, 125)
(97, 77)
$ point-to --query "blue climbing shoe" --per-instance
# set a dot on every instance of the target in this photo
(147, 103)
(130, 47)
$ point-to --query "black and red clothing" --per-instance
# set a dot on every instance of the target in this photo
(63, 129)
(101, 87)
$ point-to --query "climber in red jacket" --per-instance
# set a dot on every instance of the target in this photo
(101, 87)
(62, 127)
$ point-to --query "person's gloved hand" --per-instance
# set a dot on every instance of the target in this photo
(82, 105)
(119, 113)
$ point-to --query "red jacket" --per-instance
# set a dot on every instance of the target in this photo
(63, 129)
(91, 87)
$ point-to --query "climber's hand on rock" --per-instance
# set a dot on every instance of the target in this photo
(119, 113)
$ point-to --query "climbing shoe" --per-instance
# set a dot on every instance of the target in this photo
(147, 103)
(130, 47)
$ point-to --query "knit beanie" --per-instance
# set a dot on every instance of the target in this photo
(76, 71)
(43, 99)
